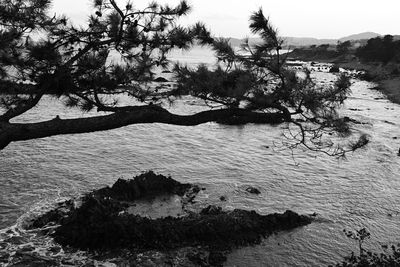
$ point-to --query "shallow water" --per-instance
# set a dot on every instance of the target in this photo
(346, 194)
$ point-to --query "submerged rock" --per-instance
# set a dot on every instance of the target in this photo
(102, 222)
(253, 190)
(161, 80)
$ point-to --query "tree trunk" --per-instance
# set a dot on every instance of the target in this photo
(10, 132)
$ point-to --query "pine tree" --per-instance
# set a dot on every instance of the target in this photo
(43, 54)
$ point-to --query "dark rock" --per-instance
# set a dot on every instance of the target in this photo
(211, 210)
(54, 215)
(28, 248)
(161, 80)
(55, 249)
(32, 259)
(389, 122)
(222, 198)
(334, 69)
(198, 257)
(102, 223)
(216, 258)
(395, 71)
(368, 76)
(97, 225)
(348, 119)
(147, 184)
(191, 193)
(253, 190)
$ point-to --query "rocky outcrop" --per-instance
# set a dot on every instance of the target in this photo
(98, 224)
(145, 185)
(102, 222)
(118, 196)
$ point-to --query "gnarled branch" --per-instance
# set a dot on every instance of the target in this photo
(23, 107)
(11, 132)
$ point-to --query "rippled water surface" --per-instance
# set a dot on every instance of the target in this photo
(358, 192)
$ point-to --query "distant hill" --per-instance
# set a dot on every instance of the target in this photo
(237, 42)
(307, 41)
(290, 41)
(360, 36)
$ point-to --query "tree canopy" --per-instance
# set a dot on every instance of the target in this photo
(45, 54)
(380, 49)
(343, 47)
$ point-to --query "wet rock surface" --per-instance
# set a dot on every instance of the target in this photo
(253, 190)
(101, 222)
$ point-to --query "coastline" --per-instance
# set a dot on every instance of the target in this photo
(391, 88)
(387, 83)
(386, 77)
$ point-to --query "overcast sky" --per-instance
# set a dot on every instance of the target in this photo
(307, 18)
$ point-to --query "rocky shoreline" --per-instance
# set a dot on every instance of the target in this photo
(101, 221)
(385, 76)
